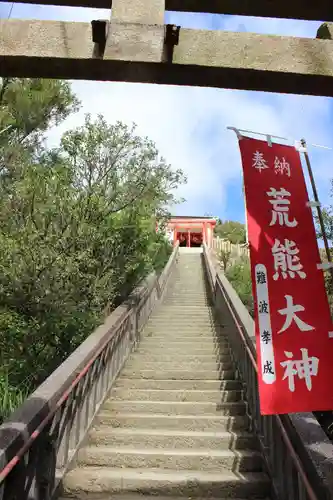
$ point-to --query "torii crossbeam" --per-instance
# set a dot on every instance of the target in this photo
(136, 46)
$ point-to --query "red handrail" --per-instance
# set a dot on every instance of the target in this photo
(33, 436)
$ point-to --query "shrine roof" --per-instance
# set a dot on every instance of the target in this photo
(189, 217)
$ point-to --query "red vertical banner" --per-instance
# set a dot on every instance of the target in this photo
(293, 324)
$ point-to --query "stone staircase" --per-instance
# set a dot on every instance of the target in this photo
(175, 423)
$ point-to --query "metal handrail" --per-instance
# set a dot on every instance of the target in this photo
(216, 284)
(11, 464)
(309, 490)
(94, 376)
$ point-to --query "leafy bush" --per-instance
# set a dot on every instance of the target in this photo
(77, 227)
(239, 276)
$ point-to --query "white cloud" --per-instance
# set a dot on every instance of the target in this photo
(189, 124)
(270, 26)
(178, 119)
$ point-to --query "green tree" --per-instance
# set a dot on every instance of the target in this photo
(239, 276)
(29, 107)
(327, 214)
(77, 234)
(231, 230)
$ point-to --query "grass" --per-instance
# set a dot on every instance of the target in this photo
(10, 397)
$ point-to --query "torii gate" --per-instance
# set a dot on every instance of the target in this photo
(136, 46)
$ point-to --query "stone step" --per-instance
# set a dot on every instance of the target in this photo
(190, 329)
(203, 341)
(170, 438)
(214, 423)
(185, 303)
(176, 407)
(165, 482)
(173, 339)
(181, 298)
(185, 385)
(185, 318)
(182, 320)
(205, 326)
(137, 364)
(185, 335)
(179, 374)
(180, 293)
(183, 357)
(136, 496)
(210, 336)
(186, 299)
(175, 395)
(188, 288)
(192, 349)
(182, 459)
(178, 309)
(211, 350)
(183, 345)
(185, 293)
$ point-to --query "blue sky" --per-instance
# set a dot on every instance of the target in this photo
(189, 124)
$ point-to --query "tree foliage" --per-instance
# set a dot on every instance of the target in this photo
(232, 231)
(239, 275)
(77, 228)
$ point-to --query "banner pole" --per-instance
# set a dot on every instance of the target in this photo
(246, 230)
(316, 199)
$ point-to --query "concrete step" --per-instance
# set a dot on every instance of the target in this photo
(178, 365)
(176, 407)
(175, 395)
(202, 341)
(196, 290)
(179, 310)
(192, 349)
(213, 423)
(182, 319)
(182, 459)
(213, 350)
(181, 336)
(185, 319)
(185, 303)
(170, 438)
(194, 315)
(185, 385)
(206, 333)
(136, 496)
(183, 357)
(191, 330)
(136, 364)
(188, 299)
(180, 296)
(165, 482)
(182, 341)
(184, 293)
(179, 374)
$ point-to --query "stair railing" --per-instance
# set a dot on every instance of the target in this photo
(298, 456)
(39, 442)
